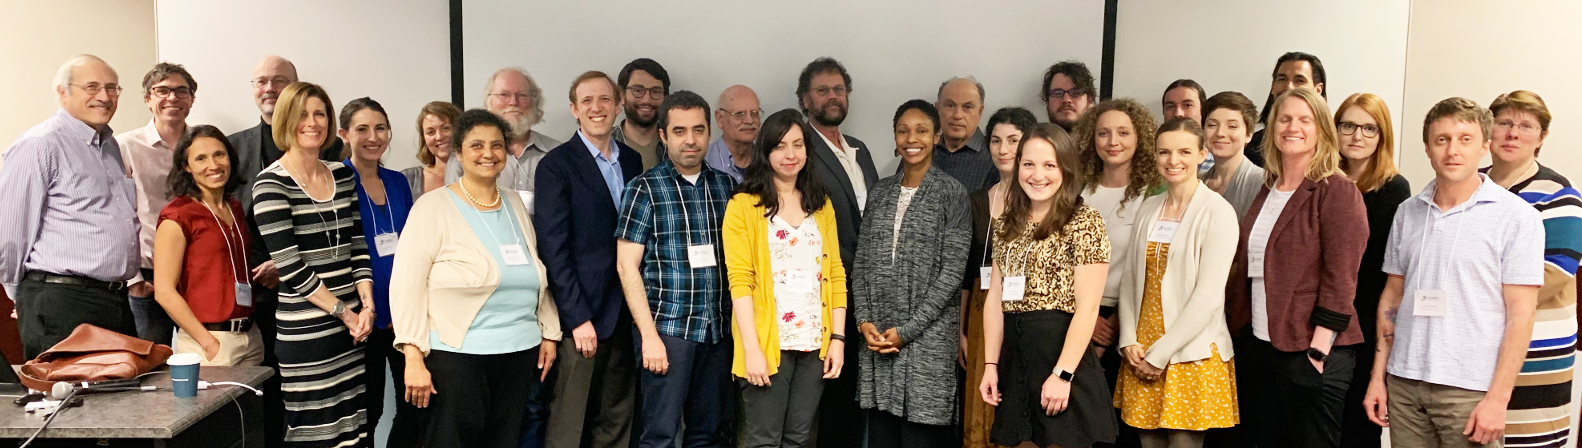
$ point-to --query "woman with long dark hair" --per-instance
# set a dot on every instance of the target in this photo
(787, 284)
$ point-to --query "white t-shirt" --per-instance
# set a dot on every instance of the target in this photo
(900, 210)
(1257, 246)
(1118, 222)
(794, 256)
(848, 162)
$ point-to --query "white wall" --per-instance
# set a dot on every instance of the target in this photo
(1232, 45)
(895, 50)
(394, 51)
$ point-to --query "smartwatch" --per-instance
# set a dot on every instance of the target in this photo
(1316, 355)
(1063, 374)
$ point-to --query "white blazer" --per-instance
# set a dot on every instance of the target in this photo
(1192, 291)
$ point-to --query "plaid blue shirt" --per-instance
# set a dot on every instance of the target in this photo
(665, 213)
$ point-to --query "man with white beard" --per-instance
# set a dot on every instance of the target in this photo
(515, 97)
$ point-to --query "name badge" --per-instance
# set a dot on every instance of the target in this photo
(983, 277)
(513, 254)
(1254, 264)
(385, 244)
(701, 256)
(1012, 287)
(1429, 302)
(527, 199)
(244, 294)
(1163, 232)
(802, 282)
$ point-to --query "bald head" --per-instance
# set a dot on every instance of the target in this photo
(88, 89)
(270, 77)
(738, 115)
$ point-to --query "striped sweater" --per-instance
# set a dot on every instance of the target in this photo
(1539, 411)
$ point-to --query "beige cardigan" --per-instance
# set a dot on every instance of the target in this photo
(1192, 291)
(443, 274)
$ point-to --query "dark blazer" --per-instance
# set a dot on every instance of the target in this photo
(827, 168)
(255, 150)
(575, 223)
(1311, 278)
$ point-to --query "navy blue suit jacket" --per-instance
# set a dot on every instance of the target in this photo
(575, 219)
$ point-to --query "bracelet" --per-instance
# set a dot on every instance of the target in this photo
(837, 337)
(992, 364)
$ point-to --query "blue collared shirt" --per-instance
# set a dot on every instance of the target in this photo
(68, 205)
(666, 213)
(609, 167)
(720, 158)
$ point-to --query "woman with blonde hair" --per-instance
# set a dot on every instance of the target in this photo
(1367, 149)
(433, 150)
(1289, 300)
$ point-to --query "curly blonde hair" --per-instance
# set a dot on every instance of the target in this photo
(1144, 175)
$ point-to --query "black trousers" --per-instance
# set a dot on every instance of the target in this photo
(479, 399)
(406, 429)
(265, 302)
(840, 421)
(1111, 361)
(1356, 430)
(886, 430)
(1285, 402)
(48, 312)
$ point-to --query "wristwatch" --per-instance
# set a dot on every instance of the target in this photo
(340, 308)
(1316, 355)
(1063, 374)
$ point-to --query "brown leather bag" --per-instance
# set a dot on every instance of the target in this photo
(93, 354)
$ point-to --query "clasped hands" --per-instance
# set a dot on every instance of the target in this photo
(1145, 371)
(886, 342)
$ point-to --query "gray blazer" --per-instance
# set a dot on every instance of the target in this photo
(917, 294)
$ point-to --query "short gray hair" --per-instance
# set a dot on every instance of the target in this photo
(533, 92)
(979, 85)
(63, 75)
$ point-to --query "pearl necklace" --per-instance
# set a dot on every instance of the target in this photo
(468, 194)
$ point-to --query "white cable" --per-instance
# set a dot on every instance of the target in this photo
(205, 385)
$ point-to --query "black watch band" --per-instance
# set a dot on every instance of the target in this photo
(837, 337)
(1316, 355)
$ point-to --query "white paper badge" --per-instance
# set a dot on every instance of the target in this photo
(701, 256)
(983, 277)
(1254, 264)
(385, 244)
(1012, 287)
(513, 254)
(527, 199)
(1429, 302)
(244, 294)
(802, 282)
(1163, 232)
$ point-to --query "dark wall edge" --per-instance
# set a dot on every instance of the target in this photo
(1107, 64)
(457, 76)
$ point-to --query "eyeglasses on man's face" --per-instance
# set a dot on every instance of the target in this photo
(93, 88)
(506, 97)
(278, 82)
(652, 92)
(166, 92)
(743, 115)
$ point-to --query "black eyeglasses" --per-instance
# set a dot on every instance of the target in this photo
(166, 92)
(1348, 128)
(1061, 93)
(639, 92)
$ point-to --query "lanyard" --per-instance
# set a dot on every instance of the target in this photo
(230, 255)
(505, 206)
(708, 204)
(375, 216)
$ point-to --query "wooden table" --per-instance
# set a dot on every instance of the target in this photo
(221, 416)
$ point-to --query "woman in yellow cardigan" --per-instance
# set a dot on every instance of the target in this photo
(788, 287)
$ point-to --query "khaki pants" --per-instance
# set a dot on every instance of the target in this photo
(236, 348)
(1427, 415)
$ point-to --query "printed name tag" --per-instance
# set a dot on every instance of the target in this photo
(385, 244)
(803, 282)
(1254, 264)
(983, 277)
(701, 256)
(1011, 288)
(513, 254)
(244, 294)
(1429, 302)
(1163, 232)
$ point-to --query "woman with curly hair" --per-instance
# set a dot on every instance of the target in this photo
(1115, 182)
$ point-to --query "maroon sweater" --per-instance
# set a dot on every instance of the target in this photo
(1310, 269)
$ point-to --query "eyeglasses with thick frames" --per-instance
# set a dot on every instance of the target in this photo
(1348, 128)
(166, 92)
(93, 88)
(278, 82)
(742, 115)
(652, 92)
(1062, 93)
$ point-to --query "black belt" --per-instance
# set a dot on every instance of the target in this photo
(45, 277)
(241, 325)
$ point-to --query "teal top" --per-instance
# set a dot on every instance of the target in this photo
(508, 321)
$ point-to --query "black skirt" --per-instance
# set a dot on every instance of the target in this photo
(1032, 343)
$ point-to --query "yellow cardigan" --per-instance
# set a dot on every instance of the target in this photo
(746, 237)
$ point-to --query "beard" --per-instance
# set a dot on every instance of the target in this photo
(637, 118)
(521, 121)
(826, 118)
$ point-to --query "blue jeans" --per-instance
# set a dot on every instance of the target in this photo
(152, 322)
(696, 383)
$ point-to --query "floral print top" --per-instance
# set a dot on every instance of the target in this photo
(794, 256)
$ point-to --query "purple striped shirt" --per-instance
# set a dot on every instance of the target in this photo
(68, 205)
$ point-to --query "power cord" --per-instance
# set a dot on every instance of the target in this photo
(240, 415)
(58, 410)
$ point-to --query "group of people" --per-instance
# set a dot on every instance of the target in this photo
(1090, 280)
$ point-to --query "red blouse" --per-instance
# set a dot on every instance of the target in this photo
(210, 269)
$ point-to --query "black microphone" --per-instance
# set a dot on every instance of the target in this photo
(61, 389)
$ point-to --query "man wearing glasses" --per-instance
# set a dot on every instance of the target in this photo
(1068, 92)
(168, 92)
(513, 95)
(739, 117)
(644, 84)
(68, 224)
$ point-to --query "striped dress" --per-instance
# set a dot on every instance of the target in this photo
(1540, 407)
(316, 243)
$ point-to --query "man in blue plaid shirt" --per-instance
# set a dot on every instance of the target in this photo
(669, 259)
